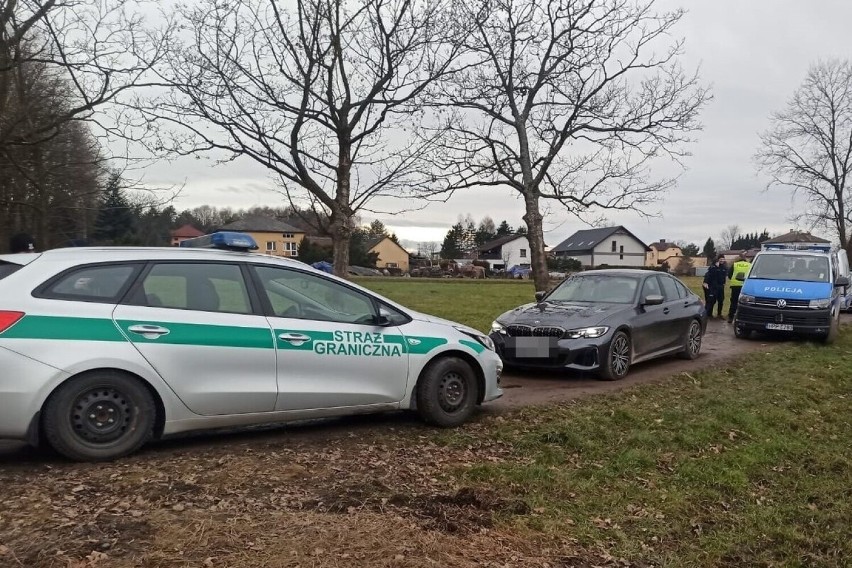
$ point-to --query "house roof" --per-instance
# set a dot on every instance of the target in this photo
(186, 232)
(374, 242)
(795, 237)
(499, 242)
(587, 239)
(663, 246)
(261, 224)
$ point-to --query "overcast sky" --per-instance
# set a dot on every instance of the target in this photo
(753, 53)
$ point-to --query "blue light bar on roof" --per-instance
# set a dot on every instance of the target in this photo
(222, 240)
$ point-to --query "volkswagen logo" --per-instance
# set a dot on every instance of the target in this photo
(781, 303)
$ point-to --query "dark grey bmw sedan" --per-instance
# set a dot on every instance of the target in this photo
(603, 321)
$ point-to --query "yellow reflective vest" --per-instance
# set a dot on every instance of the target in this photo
(740, 267)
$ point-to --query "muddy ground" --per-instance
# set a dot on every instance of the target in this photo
(364, 491)
(521, 389)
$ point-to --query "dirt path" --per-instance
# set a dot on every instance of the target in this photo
(521, 390)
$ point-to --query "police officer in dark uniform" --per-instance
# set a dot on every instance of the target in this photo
(714, 280)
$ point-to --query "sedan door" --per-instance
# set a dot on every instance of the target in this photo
(331, 352)
(651, 328)
(197, 326)
(679, 312)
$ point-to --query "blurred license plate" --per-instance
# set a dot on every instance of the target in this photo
(780, 326)
(532, 347)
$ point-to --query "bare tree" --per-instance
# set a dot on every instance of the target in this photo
(730, 234)
(808, 148)
(568, 101)
(99, 49)
(318, 92)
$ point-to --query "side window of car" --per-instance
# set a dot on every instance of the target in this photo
(206, 287)
(100, 283)
(651, 287)
(670, 291)
(301, 295)
(682, 289)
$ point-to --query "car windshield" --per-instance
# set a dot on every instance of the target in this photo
(596, 288)
(798, 267)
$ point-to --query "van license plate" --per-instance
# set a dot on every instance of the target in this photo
(780, 326)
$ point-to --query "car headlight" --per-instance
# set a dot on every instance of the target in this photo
(497, 327)
(746, 299)
(586, 332)
(484, 340)
(819, 304)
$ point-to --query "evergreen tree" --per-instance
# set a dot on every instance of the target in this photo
(522, 230)
(309, 252)
(114, 224)
(486, 231)
(504, 229)
(359, 255)
(377, 229)
(451, 247)
(690, 250)
(709, 250)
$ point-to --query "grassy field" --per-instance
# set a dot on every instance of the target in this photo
(748, 466)
(481, 301)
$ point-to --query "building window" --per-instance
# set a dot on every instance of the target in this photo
(270, 246)
(620, 252)
(290, 249)
(613, 246)
(288, 235)
(392, 265)
(523, 253)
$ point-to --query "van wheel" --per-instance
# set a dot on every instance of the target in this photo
(447, 392)
(99, 416)
(831, 336)
(740, 332)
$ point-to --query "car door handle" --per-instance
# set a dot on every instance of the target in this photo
(294, 337)
(665, 310)
(148, 331)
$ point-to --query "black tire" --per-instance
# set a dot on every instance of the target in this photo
(447, 392)
(618, 358)
(831, 336)
(99, 416)
(740, 332)
(692, 341)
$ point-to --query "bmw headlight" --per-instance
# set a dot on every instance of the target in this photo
(497, 327)
(586, 332)
(820, 304)
(746, 299)
(484, 340)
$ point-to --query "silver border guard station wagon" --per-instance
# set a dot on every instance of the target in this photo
(104, 349)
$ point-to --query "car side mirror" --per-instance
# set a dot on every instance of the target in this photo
(841, 281)
(740, 276)
(653, 300)
(539, 296)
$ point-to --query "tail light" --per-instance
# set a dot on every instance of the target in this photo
(8, 319)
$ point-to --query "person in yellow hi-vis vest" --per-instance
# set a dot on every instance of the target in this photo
(739, 269)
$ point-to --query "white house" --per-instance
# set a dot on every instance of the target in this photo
(613, 246)
(506, 252)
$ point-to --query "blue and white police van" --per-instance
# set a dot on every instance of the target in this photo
(795, 289)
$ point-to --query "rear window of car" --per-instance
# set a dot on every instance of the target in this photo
(7, 268)
(98, 283)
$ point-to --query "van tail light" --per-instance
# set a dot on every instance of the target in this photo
(8, 319)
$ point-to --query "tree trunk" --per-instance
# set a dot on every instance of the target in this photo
(535, 235)
(341, 235)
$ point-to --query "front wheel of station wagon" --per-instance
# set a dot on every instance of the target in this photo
(99, 416)
(447, 392)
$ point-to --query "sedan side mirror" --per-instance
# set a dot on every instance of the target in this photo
(653, 300)
(841, 281)
(539, 296)
(740, 276)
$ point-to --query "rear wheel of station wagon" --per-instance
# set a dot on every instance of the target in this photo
(99, 416)
(447, 392)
